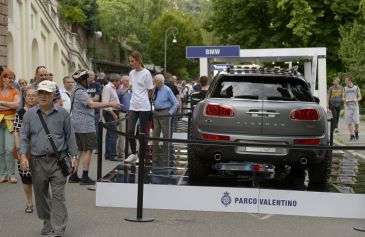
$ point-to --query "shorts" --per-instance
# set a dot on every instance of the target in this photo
(26, 176)
(86, 141)
(352, 113)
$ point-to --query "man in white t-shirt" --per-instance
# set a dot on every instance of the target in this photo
(141, 82)
(68, 84)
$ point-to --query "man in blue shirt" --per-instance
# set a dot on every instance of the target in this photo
(125, 95)
(166, 105)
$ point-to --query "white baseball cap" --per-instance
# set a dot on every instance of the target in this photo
(48, 86)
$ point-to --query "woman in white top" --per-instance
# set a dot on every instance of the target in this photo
(141, 84)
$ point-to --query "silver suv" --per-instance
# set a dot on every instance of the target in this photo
(260, 106)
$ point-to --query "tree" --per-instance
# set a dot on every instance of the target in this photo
(283, 23)
(127, 23)
(77, 12)
(352, 47)
(189, 34)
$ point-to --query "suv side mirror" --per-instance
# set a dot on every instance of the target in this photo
(316, 99)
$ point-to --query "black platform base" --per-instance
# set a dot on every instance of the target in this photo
(143, 219)
(360, 228)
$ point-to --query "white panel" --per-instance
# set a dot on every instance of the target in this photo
(203, 66)
(308, 73)
(322, 81)
(316, 204)
(222, 199)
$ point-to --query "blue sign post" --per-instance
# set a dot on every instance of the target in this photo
(229, 51)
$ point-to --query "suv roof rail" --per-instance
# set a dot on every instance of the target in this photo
(262, 70)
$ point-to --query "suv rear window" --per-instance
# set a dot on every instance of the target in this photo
(257, 87)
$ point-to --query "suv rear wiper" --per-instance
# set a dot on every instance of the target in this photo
(281, 98)
(255, 97)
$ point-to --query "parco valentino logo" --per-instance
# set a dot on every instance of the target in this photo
(226, 199)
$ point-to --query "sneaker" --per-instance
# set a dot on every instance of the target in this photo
(357, 135)
(132, 158)
(87, 181)
(58, 234)
(47, 228)
(352, 137)
(74, 179)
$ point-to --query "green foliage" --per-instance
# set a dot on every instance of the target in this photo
(352, 50)
(283, 23)
(78, 12)
(127, 23)
(188, 34)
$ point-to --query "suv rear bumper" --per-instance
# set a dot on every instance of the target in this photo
(229, 154)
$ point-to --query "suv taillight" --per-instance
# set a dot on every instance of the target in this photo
(304, 114)
(307, 141)
(218, 110)
(215, 137)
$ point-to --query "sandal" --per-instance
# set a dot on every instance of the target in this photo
(2, 180)
(29, 209)
(12, 180)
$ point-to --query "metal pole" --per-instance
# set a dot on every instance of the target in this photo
(331, 131)
(189, 125)
(126, 145)
(100, 150)
(142, 152)
(94, 36)
(164, 68)
(174, 31)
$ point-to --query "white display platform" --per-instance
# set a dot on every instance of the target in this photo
(222, 199)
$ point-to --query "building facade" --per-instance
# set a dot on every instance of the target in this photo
(3, 32)
(35, 37)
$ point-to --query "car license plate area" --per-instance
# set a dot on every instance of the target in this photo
(255, 149)
(261, 150)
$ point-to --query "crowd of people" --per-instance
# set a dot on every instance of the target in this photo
(349, 96)
(36, 114)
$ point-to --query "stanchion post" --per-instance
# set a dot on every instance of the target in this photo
(126, 139)
(331, 131)
(189, 124)
(141, 156)
(100, 150)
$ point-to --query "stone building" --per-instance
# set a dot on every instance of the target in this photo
(3, 32)
(35, 37)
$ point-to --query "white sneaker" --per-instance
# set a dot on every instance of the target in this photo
(132, 158)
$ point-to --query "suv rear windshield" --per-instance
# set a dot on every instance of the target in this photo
(258, 87)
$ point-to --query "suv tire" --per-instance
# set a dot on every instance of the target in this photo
(196, 167)
(319, 174)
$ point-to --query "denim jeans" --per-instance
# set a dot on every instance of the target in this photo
(133, 116)
(110, 138)
(7, 161)
(336, 115)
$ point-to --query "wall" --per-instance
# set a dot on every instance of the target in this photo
(35, 37)
(3, 32)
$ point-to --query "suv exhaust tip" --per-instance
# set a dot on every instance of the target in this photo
(303, 160)
(217, 156)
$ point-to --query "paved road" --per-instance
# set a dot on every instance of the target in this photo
(85, 219)
(343, 137)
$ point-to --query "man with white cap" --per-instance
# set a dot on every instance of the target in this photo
(51, 208)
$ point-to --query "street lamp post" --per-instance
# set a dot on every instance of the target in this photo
(94, 36)
(173, 31)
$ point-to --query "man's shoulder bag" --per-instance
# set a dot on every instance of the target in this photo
(63, 161)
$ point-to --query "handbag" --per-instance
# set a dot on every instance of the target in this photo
(63, 161)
